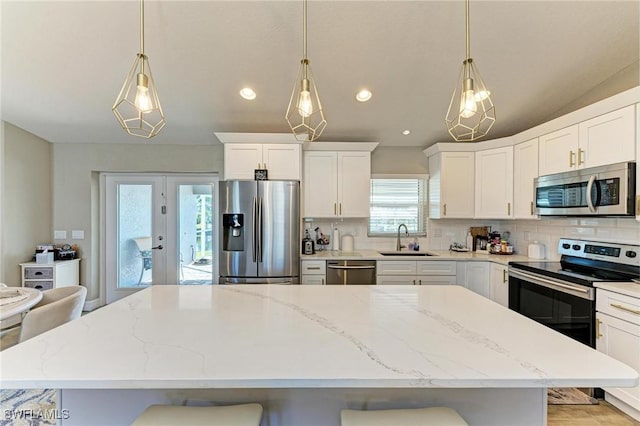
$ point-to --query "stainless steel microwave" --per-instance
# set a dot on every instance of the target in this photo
(597, 191)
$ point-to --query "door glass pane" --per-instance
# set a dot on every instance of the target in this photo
(134, 235)
(195, 230)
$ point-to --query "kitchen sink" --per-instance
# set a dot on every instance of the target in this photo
(405, 253)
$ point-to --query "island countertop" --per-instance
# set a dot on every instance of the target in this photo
(276, 336)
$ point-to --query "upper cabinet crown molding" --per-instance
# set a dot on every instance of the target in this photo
(340, 146)
(263, 138)
(468, 147)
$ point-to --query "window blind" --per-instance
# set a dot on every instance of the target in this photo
(395, 201)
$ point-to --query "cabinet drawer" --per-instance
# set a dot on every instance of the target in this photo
(40, 285)
(38, 273)
(313, 267)
(396, 267)
(396, 280)
(312, 280)
(618, 305)
(436, 267)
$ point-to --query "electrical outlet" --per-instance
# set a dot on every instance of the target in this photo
(77, 235)
(59, 235)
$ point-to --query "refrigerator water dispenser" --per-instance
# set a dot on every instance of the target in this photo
(233, 227)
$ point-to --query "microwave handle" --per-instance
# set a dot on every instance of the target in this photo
(592, 207)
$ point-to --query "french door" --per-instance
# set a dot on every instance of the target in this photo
(158, 230)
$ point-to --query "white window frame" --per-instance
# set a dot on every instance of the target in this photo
(425, 209)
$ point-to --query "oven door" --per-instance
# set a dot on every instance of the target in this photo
(563, 306)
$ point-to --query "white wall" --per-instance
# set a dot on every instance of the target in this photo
(27, 204)
(75, 183)
(403, 159)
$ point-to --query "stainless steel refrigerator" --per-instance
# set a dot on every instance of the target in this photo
(260, 235)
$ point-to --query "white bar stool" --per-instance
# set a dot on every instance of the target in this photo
(182, 415)
(434, 416)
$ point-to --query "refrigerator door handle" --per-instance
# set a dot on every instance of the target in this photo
(253, 218)
(260, 230)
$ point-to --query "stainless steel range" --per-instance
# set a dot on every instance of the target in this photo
(561, 295)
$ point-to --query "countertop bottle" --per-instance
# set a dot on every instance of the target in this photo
(469, 241)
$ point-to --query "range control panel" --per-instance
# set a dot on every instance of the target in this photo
(612, 252)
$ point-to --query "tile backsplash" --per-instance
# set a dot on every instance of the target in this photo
(443, 232)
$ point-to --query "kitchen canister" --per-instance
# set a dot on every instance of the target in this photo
(536, 250)
(347, 242)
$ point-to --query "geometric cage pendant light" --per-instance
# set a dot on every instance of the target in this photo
(471, 113)
(304, 113)
(137, 106)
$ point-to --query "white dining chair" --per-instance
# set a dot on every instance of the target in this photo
(181, 415)
(433, 416)
(57, 306)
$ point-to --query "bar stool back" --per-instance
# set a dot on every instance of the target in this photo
(181, 415)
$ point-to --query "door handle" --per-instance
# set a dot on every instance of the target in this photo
(335, 209)
(531, 208)
(340, 209)
(504, 275)
(598, 335)
(260, 230)
(445, 210)
(571, 162)
(580, 160)
(158, 247)
(255, 229)
(592, 208)
(508, 209)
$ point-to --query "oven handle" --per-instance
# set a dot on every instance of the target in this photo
(587, 292)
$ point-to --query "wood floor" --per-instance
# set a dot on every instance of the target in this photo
(603, 414)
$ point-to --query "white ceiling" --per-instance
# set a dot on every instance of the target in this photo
(63, 63)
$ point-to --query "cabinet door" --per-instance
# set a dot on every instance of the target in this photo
(619, 339)
(558, 151)
(282, 161)
(525, 170)
(499, 291)
(436, 280)
(396, 280)
(354, 184)
(320, 184)
(457, 184)
(241, 159)
(608, 139)
(494, 183)
(478, 278)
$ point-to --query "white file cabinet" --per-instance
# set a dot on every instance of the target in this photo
(45, 276)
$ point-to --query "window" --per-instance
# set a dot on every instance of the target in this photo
(397, 199)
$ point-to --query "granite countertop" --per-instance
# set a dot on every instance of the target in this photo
(437, 255)
(279, 336)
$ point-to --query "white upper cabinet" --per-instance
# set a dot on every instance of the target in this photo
(337, 184)
(525, 170)
(606, 139)
(558, 151)
(282, 161)
(494, 183)
(451, 185)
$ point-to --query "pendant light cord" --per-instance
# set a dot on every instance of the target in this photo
(466, 22)
(142, 33)
(304, 29)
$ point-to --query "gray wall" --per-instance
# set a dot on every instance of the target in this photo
(390, 160)
(27, 201)
(76, 186)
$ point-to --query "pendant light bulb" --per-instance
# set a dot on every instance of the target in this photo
(305, 106)
(468, 107)
(143, 100)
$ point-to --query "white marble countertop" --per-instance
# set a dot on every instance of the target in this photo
(278, 336)
(629, 288)
(437, 255)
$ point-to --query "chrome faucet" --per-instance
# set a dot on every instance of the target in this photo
(406, 232)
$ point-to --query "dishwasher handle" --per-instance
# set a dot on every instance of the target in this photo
(351, 267)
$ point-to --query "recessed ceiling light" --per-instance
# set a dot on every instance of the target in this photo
(363, 96)
(406, 132)
(248, 93)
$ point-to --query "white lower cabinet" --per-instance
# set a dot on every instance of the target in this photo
(474, 276)
(618, 335)
(415, 272)
(499, 288)
(313, 272)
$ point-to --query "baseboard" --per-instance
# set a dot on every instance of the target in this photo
(90, 305)
(622, 406)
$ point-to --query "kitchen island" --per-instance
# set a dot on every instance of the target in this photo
(305, 352)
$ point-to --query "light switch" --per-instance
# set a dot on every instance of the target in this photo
(77, 235)
(59, 235)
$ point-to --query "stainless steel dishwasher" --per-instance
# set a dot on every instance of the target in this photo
(347, 272)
